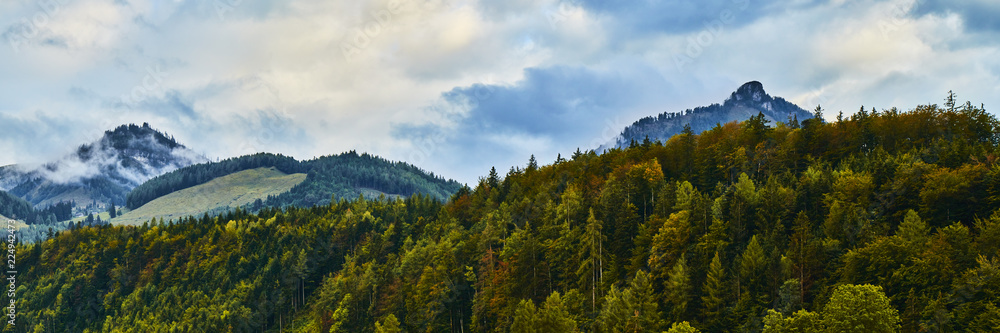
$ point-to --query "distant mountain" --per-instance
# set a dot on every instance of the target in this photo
(747, 101)
(103, 171)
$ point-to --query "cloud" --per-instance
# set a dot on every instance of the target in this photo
(977, 15)
(552, 110)
(668, 16)
(458, 86)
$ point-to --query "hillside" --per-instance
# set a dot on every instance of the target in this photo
(347, 175)
(747, 101)
(103, 171)
(221, 194)
(888, 220)
(11, 205)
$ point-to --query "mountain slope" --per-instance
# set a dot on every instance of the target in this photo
(15, 207)
(347, 175)
(220, 194)
(103, 171)
(11, 205)
(747, 101)
(350, 174)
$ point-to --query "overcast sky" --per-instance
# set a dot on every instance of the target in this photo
(454, 86)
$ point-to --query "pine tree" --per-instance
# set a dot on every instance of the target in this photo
(525, 318)
(616, 313)
(554, 316)
(804, 251)
(493, 180)
(591, 270)
(714, 295)
(951, 100)
(669, 243)
(645, 302)
(678, 290)
(752, 270)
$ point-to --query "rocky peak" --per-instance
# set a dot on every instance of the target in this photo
(750, 92)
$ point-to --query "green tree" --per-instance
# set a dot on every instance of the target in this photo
(805, 251)
(678, 290)
(714, 295)
(591, 270)
(801, 321)
(633, 309)
(112, 211)
(682, 327)
(645, 303)
(988, 236)
(525, 318)
(753, 296)
(555, 316)
(669, 243)
(913, 231)
(388, 325)
(493, 179)
(861, 309)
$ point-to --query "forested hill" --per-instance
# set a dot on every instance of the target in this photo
(347, 175)
(13, 207)
(881, 222)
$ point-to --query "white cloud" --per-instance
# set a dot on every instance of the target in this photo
(279, 68)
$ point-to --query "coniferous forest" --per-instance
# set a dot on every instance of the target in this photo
(883, 221)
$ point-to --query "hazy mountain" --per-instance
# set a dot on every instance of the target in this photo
(103, 171)
(747, 101)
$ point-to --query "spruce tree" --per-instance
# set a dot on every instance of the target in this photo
(714, 295)
(678, 290)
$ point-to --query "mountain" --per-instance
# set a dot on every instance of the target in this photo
(103, 171)
(747, 101)
(348, 175)
(886, 220)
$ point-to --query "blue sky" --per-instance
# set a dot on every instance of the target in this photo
(454, 86)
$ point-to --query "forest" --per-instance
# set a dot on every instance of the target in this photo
(882, 221)
(16, 208)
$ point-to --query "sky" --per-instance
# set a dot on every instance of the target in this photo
(456, 87)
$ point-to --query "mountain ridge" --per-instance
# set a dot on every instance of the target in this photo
(749, 100)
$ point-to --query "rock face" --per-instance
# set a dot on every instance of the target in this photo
(747, 101)
(103, 171)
